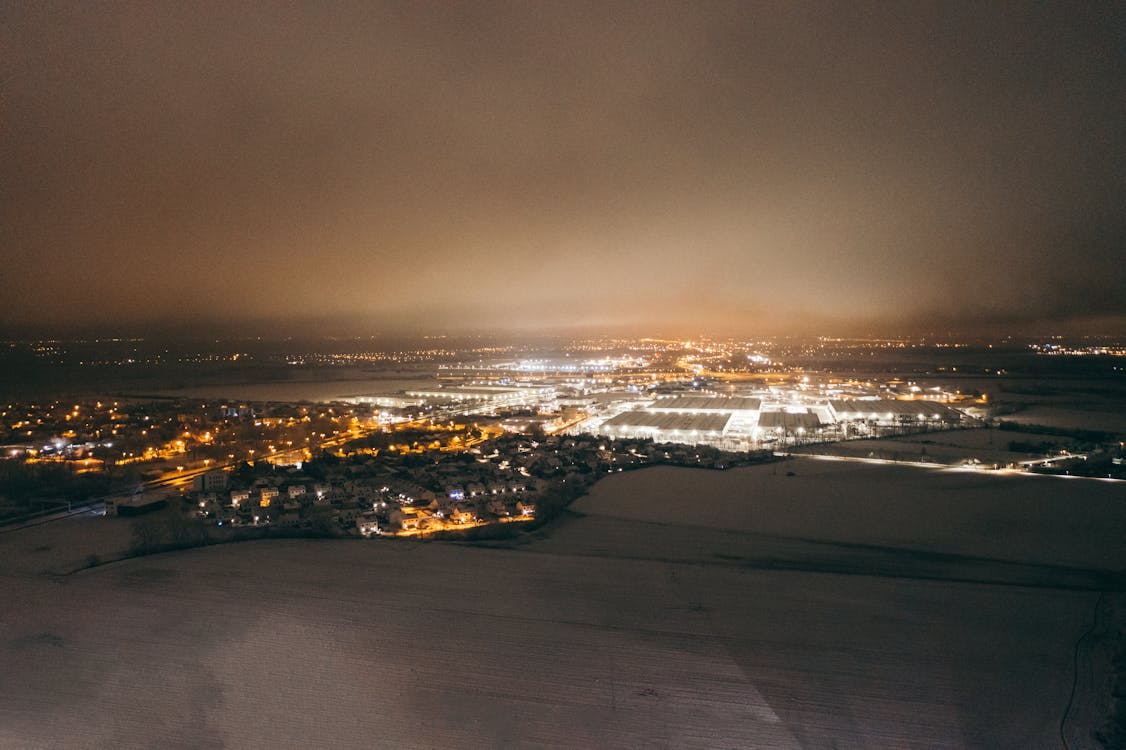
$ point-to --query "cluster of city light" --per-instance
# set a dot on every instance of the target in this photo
(1106, 350)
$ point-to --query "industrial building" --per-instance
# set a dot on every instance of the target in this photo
(742, 422)
(892, 412)
(706, 404)
(668, 427)
(688, 419)
(784, 424)
(515, 395)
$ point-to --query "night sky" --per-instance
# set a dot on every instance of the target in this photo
(725, 168)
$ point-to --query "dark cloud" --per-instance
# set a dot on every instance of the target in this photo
(734, 167)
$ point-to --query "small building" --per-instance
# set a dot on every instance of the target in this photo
(368, 525)
(135, 504)
(460, 515)
(405, 519)
(266, 496)
(211, 481)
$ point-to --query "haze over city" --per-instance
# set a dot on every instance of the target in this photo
(729, 168)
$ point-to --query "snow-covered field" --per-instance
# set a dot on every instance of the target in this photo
(1034, 519)
(656, 619)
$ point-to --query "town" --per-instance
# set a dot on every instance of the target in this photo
(415, 491)
(485, 436)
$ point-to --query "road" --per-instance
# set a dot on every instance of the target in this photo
(944, 467)
(93, 508)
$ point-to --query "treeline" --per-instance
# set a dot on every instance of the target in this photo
(26, 483)
(153, 535)
(1019, 446)
(558, 496)
(1086, 436)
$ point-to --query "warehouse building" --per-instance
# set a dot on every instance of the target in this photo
(889, 412)
(667, 427)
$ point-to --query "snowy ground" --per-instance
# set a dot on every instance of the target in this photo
(684, 609)
(1032, 519)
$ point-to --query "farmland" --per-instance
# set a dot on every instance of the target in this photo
(804, 604)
